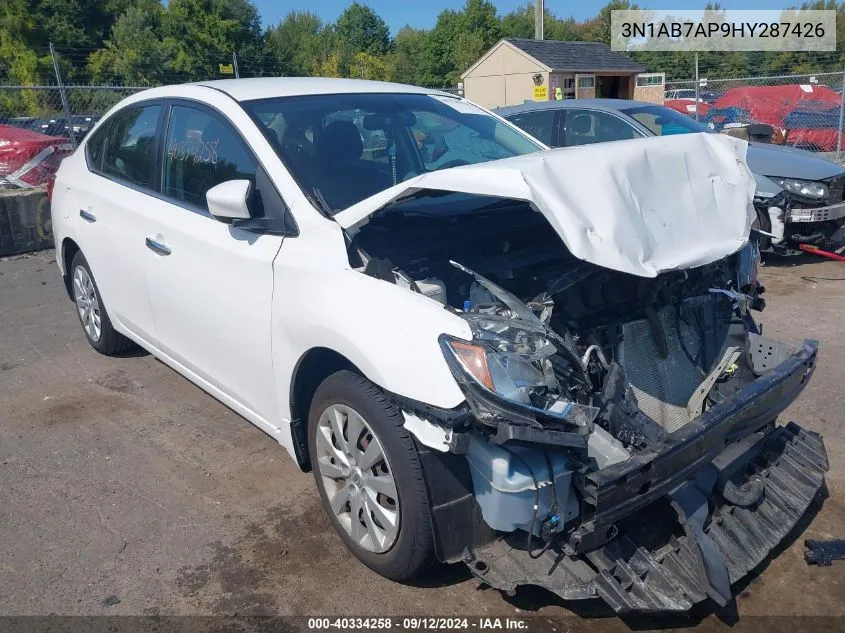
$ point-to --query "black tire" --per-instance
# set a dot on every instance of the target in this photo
(110, 341)
(412, 552)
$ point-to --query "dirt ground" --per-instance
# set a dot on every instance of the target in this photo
(124, 489)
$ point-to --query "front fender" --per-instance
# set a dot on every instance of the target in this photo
(388, 332)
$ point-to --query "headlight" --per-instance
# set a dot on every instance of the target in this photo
(806, 188)
(512, 361)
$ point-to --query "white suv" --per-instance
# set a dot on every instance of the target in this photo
(438, 317)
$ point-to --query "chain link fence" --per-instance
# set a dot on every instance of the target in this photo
(45, 123)
(41, 108)
(804, 111)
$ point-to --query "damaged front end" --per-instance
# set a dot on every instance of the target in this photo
(618, 438)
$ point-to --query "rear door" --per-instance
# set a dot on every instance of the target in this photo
(211, 284)
(111, 208)
(584, 126)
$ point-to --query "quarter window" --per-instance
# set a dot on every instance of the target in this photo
(130, 147)
(200, 152)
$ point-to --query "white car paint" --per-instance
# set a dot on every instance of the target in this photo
(234, 311)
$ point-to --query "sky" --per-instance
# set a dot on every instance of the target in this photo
(423, 14)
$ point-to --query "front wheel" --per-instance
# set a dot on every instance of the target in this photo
(369, 476)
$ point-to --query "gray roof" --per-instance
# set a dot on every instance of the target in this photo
(610, 105)
(577, 56)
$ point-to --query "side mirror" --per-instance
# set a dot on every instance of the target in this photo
(228, 200)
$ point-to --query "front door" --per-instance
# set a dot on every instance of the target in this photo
(210, 284)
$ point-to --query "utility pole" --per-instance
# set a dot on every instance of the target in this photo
(538, 19)
(697, 86)
(63, 96)
(841, 115)
(235, 64)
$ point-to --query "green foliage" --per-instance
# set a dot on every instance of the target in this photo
(409, 49)
(299, 43)
(134, 54)
(361, 29)
(198, 35)
(150, 42)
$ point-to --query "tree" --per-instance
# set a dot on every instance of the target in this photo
(520, 22)
(367, 66)
(438, 60)
(298, 42)
(361, 29)
(198, 35)
(134, 54)
(408, 51)
(479, 18)
(598, 29)
(19, 64)
(331, 66)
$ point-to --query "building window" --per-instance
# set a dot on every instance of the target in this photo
(586, 82)
(650, 80)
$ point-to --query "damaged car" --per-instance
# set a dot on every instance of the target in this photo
(546, 365)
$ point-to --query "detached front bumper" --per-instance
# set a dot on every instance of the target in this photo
(683, 522)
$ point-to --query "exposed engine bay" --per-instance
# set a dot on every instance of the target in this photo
(579, 380)
(569, 343)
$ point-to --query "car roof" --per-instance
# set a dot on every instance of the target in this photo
(611, 105)
(268, 87)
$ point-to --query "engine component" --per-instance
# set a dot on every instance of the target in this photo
(433, 288)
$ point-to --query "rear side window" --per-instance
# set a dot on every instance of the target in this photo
(202, 151)
(584, 127)
(539, 124)
(129, 152)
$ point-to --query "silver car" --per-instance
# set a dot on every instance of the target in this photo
(799, 197)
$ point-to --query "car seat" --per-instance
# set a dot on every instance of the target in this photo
(578, 130)
(346, 178)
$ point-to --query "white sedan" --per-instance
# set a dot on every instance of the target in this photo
(486, 352)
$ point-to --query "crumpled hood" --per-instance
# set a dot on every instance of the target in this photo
(643, 206)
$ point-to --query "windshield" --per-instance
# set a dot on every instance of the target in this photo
(342, 148)
(664, 121)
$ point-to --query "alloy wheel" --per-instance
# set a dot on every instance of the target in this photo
(86, 303)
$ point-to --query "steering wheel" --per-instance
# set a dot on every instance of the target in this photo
(458, 162)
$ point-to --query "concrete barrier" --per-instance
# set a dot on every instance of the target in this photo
(25, 223)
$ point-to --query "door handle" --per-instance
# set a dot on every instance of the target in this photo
(87, 216)
(158, 247)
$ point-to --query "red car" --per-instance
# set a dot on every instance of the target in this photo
(29, 159)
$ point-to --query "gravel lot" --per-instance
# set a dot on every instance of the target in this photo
(120, 479)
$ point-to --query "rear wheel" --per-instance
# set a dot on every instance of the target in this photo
(369, 477)
(91, 312)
